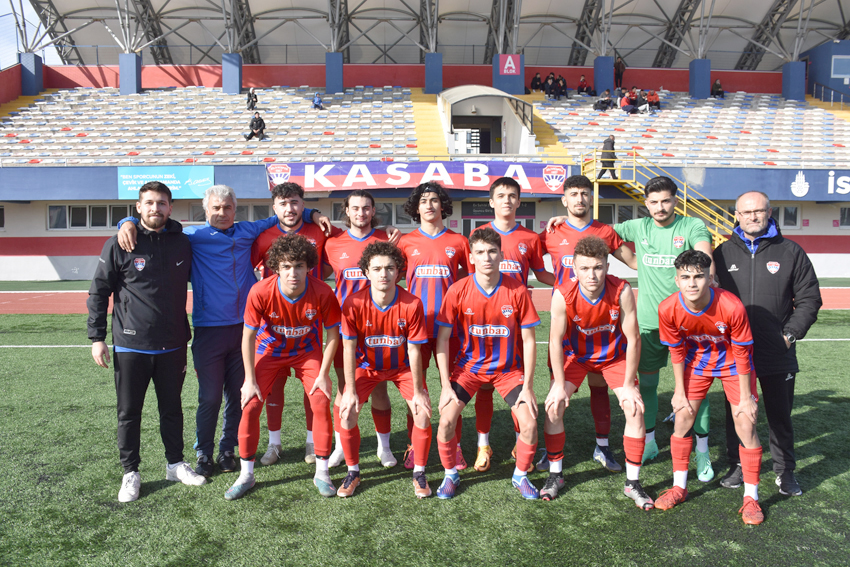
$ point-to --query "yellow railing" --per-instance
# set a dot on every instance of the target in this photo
(634, 170)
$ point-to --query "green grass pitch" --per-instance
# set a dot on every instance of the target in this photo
(59, 479)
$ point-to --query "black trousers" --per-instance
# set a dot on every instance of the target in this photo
(259, 135)
(777, 393)
(133, 373)
(607, 166)
(618, 80)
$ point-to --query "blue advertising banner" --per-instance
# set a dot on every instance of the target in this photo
(185, 181)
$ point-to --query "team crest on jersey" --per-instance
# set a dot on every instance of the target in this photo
(522, 248)
(312, 241)
(402, 323)
(554, 176)
(614, 313)
(721, 326)
(772, 267)
(310, 313)
(450, 252)
(678, 241)
(507, 310)
(140, 263)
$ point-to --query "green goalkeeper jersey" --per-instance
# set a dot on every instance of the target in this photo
(656, 249)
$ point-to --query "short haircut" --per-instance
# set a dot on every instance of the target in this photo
(293, 248)
(766, 198)
(157, 187)
(693, 259)
(287, 190)
(592, 247)
(220, 191)
(578, 182)
(411, 207)
(357, 193)
(507, 182)
(380, 248)
(661, 184)
(486, 235)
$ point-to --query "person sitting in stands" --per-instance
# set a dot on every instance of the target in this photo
(536, 83)
(583, 87)
(627, 106)
(717, 90)
(654, 101)
(252, 99)
(257, 127)
(549, 87)
(604, 102)
(642, 103)
(561, 88)
(317, 102)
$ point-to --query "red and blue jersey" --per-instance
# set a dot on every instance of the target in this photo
(342, 253)
(488, 325)
(432, 267)
(594, 334)
(561, 243)
(260, 248)
(290, 327)
(715, 342)
(382, 335)
(520, 251)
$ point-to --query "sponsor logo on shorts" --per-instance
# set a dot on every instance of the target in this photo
(678, 241)
(721, 326)
(499, 331)
(139, 263)
(510, 267)
(522, 248)
(310, 313)
(377, 341)
(353, 274)
(567, 261)
(432, 271)
(772, 267)
(450, 252)
(292, 332)
(507, 310)
(658, 260)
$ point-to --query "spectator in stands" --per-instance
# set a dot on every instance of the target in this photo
(257, 126)
(317, 102)
(626, 104)
(252, 99)
(717, 90)
(561, 88)
(608, 157)
(549, 87)
(536, 83)
(604, 102)
(583, 87)
(619, 70)
(642, 103)
(654, 100)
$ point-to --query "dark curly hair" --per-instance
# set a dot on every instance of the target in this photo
(381, 248)
(294, 248)
(411, 207)
(486, 235)
(287, 190)
(592, 247)
(358, 193)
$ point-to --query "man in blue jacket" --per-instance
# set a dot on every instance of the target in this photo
(222, 276)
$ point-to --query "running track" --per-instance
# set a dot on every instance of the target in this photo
(74, 302)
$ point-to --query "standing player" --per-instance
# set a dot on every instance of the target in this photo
(596, 315)
(495, 319)
(521, 252)
(709, 337)
(341, 256)
(283, 329)
(659, 239)
(559, 244)
(383, 327)
(436, 258)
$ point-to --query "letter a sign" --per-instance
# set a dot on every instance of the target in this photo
(509, 64)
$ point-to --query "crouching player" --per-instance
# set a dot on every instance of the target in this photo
(709, 337)
(494, 319)
(594, 327)
(283, 329)
(383, 327)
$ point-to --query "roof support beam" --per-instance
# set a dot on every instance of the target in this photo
(147, 18)
(51, 19)
(242, 23)
(428, 10)
(764, 35)
(503, 30)
(585, 28)
(677, 27)
(339, 19)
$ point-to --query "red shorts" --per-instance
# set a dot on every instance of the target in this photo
(696, 387)
(269, 368)
(365, 380)
(430, 349)
(613, 372)
(506, 383)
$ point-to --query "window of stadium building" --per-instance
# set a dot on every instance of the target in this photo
(844, 219)
(383, 211)
(78, 217)
(787, 217)
(3, 218)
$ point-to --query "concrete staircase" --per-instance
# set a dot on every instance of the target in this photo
(548, 145)
(429, 127)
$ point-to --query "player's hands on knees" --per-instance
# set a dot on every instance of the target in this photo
(527, 395)
(422, 402)
(555, 221)
(555, 401)
(323, 383)
(250, 391)
(447, 396)
(100, 354)
(750, 408)
(349, 402)
(680, 401)
(630, 398)
(127, 237)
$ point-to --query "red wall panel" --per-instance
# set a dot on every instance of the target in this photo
(277, 75)
(159, 76)
(10, 84)
(70, 76)
(458, 75)
(52, 245)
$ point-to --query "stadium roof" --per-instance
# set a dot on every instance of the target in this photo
(750, 35)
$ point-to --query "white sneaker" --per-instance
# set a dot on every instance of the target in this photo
(182, 472)
(309, 454)
(387, 458)
(272, 455)
(131, 485)
(337, 457)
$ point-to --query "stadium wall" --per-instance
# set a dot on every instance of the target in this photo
(10, 84)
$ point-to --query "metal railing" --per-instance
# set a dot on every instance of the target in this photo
(832, 93)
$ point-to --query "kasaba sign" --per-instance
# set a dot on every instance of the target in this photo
(338, 176)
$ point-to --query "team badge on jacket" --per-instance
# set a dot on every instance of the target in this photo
(773, 267)
(140, 264)
(507, 310)
(678, 241)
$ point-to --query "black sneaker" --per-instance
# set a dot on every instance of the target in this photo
(205, 466)
(227, 461)
(734, 478)
(788, 484)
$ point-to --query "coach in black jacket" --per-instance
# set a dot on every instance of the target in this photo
(150, 331)
(775, 280)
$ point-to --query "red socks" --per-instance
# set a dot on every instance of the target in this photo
(554, 445)
(382, 419)
(308, 412)
(448, 453)
(633, 447)
(524, 454)
(421, 445)
(750, 463)
(483, 410)
(600, 407)
(350, 439)
(680, 450)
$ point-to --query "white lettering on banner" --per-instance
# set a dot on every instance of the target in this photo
(489, 331)
(357, 171)
(475, 175)
(436, 172)
(384, 341)
(517, 172)
(399, 170)
(311, 176)
(510, 68)
(843, 183)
